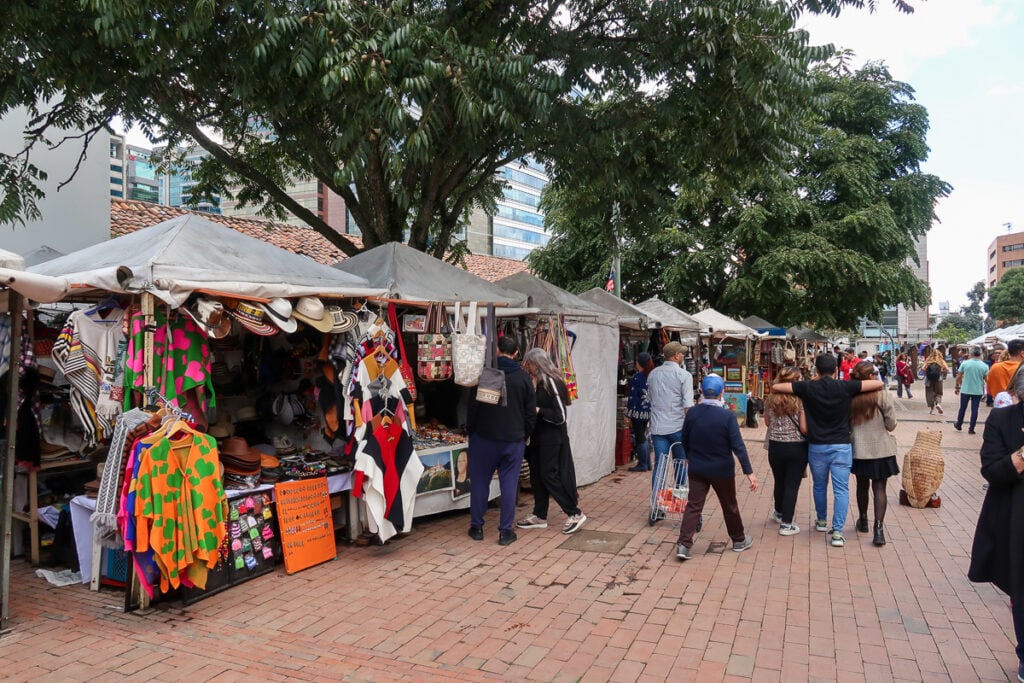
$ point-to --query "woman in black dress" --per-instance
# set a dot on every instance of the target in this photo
(552, 473)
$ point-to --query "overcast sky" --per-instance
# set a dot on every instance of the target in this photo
(965, 59)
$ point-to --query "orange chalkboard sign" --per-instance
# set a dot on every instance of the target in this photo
(307, 529)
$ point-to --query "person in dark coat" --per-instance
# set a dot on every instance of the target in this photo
(497, 441)
(552, 472)
(711, 437)
(997, 555)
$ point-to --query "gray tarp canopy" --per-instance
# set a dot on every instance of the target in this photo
(630, 317)
(724, 326)
(762, 326)
(591, 421)
(805, 334)
(673, 319)
(173, 259)
(407, 274)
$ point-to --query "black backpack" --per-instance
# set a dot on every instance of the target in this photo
(933, 372)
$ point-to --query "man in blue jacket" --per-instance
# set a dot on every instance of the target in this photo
(711, 436)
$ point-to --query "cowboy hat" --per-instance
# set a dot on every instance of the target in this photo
(310, 310)
(279, 312)
(210, 316)
(253, 318)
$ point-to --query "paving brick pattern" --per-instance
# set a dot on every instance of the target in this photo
(438, 606)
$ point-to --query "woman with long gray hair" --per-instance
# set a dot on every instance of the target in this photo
(997, 555)
(552, 473)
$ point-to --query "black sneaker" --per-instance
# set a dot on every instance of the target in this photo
(683, 553)
(476, 533)
(1020, 672)
(971, 431)
(958, 427)
(507, 538)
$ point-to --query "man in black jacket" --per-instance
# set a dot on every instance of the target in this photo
(497, 441)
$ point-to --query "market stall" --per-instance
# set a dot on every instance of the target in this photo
(234, 341)
(774, 351)
(594, 331)
(730, 354)
(422, 291)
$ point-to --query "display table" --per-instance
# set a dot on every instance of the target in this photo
(32, 516)
(90, 554)
(433, 502)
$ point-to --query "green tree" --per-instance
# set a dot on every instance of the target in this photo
(825, 243)
(1006, 300)
(406, 109)
(976, 297)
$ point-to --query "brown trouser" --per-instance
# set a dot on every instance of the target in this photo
(725, 489)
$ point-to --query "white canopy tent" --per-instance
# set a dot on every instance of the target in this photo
(723, 326)
(673, 319)
(630, 317)
(592, 416)
(172, 259)
(1000, 335)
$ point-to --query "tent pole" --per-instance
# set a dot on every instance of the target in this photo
(14, 305)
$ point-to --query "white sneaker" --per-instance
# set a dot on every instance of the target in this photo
(573, 524)
(836, 539)
(789, 530)
(532, 522)
(938, 408)
(776, 517)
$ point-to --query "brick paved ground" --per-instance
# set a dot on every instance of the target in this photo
(438, 606)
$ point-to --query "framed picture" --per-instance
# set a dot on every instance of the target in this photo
(718, 370)
(413, 322)
(734, 386)
(737, 403)
(437, 473)
(734, 374)
(460, 467)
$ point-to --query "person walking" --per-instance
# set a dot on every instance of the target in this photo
(711, 437)
(552, 472)
(670, 391)
(1001, 372)
(904, 375)
(638, 410)
(935, 369)
(970, 386)
(872, 419)
(787, 450)
(829, 451)
(497, 441)
(997, 554)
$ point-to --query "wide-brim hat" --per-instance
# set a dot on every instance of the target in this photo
(310, 310)
(210, 316)
(279, 312)
(246, 414)
(252, 318)
(222, 428)
(341, 320)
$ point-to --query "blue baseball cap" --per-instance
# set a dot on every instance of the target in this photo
(712, 385)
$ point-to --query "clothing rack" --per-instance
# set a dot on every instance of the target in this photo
(158, 399)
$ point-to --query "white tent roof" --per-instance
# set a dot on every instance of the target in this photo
(670, 316)
(550, 299)
(174, 258)
(1002, 334)
(724, 325)
(630, 316)
(411, 275)
(36, 287)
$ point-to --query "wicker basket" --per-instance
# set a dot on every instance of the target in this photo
(923, 467)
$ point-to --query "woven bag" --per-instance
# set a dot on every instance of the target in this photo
(468, 348)
(403, 363)
(433, 349)
(923, 467)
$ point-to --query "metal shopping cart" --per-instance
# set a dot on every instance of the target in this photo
(671, 487)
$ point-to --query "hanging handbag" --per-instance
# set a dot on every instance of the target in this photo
(491, 387)
(403, 362)
(468, 348)
(789, 355)
(565, 359)
(433, 349)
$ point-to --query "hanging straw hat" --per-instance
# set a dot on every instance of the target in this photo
(210, 316)
(341, 321)
(310, 310)
(279, 312)
(253, 318)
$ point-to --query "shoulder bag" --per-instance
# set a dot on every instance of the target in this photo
(468, 348)
(403, 363)
(491, 387)
(434, 349)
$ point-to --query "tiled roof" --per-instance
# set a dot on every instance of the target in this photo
(129, 215)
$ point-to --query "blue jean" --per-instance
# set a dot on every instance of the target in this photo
(899, 389)
(662, 443)
(831, 460)
(486, 456)
(975, 400)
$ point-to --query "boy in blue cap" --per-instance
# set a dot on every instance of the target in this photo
(711, 436)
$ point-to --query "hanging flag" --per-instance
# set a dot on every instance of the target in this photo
(610, 285)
